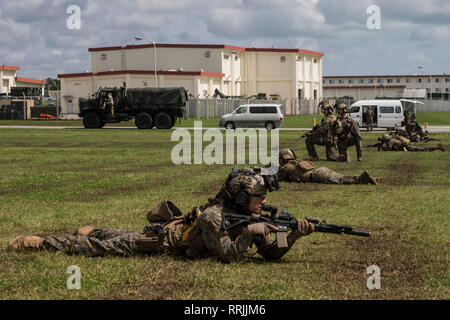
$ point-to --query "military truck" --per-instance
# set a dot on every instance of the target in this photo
(150, 107)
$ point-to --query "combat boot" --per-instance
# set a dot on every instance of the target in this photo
(83, 231)
(440, 147)
(366, 178)
(359, 158)
(25, 242)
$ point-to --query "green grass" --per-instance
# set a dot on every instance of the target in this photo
(305, 121)
(53, 181)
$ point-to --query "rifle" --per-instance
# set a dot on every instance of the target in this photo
(285, 221)
(308, 132)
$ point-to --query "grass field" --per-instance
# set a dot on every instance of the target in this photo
(53, 181)
(305, 121)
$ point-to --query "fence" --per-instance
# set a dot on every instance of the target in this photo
(211, 108)
(433, 106)
(11, 112)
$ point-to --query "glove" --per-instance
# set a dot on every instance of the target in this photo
(303, 228)
(260, 229)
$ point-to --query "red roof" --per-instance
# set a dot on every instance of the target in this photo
(169, 45)
(314, 53)
(181, 73)
(11, 68)
(29, 80)
(206, 46)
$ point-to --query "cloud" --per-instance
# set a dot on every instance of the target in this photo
(34, 33)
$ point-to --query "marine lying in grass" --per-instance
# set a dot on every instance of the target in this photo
(197, 234)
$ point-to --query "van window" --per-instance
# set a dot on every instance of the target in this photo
(241, 110)
(354, 109)
(398, 110)
(256, 109)
(386, 109)
(263, 110)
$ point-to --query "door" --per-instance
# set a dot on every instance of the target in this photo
(386, 116)
(257, 116)
(398, 116)
(355, 114)
(240, 118)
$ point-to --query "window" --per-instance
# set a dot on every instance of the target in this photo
(399, 80)
(207, 54)
(315, 60)
(398, 110)
(361, 81)
(438, 90)
(419, 80)
(331, 81)
(386, 109)
(370, 81)
(447, 80)
(350, 80)
(428, 80)
(428, 90)
(263, 109)
(103, 56)
(354, 109)
(341, 81)
(408, 80)
(225, 57)
(380, 81)
(241, 110)
(283, 59)
(447, 89)
(437, 80)
(390, 80)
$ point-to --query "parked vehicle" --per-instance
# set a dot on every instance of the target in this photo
(387, 113)
(268, 116)
(159, 107)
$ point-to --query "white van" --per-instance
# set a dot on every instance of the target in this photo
(268, 116)
(387, 113)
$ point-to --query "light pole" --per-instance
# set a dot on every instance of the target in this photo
(154, 46)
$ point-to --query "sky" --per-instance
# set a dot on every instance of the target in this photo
(358, 37)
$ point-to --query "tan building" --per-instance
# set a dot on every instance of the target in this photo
(8, 79)
(201, 69)
(394, 86)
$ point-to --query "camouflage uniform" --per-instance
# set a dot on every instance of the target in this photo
(347, 131)
(295, 169)
(204, 236)
(399, 143)
(323, 136)
(370, 115)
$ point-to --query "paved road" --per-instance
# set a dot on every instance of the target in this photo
(430, 128)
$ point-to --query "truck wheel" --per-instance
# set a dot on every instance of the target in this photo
(269, 125)
(163, 121)
(92, 120)
(144, 121)
(229, 125)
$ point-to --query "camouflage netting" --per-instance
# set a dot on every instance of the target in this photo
(157, 96)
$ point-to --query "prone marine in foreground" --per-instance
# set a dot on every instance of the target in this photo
(197, 234)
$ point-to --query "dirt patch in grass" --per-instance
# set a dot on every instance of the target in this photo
(402, 173)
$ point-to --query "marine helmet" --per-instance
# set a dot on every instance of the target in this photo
(286, 154)
(342, 108)
(385, 137)
(241, 184)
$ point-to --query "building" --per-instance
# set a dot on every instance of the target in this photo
(393, 86)
(8, 79)
(200, 69)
